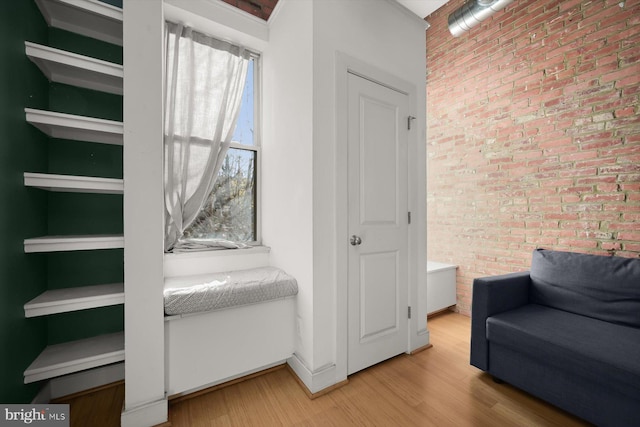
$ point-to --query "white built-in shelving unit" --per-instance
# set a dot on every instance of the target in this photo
(73, 183)
(74, 356)
(73, 243)
(77, 70)
(73, 299)
(77, 128)
(104, 22)
(89, 18)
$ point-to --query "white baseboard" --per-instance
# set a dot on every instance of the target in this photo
(147, 415)
(421, 339)
(80, 381)
(315, 381)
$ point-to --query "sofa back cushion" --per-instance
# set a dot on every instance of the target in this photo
(601, 287)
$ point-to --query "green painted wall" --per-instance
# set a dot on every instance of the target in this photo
(22, 212)
(27, 212)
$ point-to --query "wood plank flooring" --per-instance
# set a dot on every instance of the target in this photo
(436, 387)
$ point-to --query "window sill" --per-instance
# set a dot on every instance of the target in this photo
(216, 261)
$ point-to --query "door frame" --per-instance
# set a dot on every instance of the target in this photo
(418, 334)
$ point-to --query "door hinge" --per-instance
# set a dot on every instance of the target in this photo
(409, 217)
(409, 120)
(409, 312)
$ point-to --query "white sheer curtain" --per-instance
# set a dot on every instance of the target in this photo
(204, 82)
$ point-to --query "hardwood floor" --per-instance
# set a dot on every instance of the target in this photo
(100, 408)
(436, 387)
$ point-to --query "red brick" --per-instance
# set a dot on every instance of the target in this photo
(571, 198)
(551, 151)
(596, 180)
(632, 248)
(626, 226)
(607, 188)
(580, 244)
(603, 197)
(579, 172)
(625, 112)
(611, 246)
(616, 209)
(629, 235)
(581, 155)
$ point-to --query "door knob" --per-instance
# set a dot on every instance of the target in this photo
(355, 240)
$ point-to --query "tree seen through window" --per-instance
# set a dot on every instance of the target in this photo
(230, 210)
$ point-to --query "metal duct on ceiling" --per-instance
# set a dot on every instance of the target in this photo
(472, 13)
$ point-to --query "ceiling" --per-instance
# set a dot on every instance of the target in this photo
(422, 8)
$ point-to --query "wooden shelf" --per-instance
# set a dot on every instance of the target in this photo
(73, 299)
(73, 184)
(73, 243)
(75, 356)
(76, 70)
(90, 18)
(77, 128)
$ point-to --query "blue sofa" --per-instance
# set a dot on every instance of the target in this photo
(567, 331)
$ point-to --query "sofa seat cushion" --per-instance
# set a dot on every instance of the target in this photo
(591, 348)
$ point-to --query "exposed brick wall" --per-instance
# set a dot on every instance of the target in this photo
(260, 8)
(533, 132)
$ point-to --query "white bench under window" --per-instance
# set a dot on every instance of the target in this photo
(224, 325)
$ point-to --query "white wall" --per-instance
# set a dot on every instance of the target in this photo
(303, 208)
(303, 175)
(388, 38)
(287, 190)
(145, 401)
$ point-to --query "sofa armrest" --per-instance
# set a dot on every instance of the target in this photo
(493, 295)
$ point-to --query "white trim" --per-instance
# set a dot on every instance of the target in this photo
(149, 414)
(239, 146)
(221, 20)
(145, 403)
(275, 12)
(258, 136)
(317, 380)
(204, 262)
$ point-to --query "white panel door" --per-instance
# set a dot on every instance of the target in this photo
(378, 223)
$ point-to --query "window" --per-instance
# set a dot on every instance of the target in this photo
(231, 209)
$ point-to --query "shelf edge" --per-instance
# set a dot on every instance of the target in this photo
(73, 183)
(69, 303)
(73, 243)
(115, 354)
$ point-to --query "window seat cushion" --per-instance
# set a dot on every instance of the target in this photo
(193, 294)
